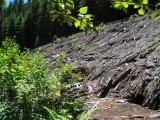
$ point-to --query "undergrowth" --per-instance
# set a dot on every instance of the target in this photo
(29, 91)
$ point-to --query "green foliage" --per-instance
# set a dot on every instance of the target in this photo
(23, 79)
(67, 107)
(31, 23)
(86, 114)
(84, 20)
(3, 110)
(124, 4)
(83, 10)
(141, 6)
(3, 3)
(64, 14)
(29, 90)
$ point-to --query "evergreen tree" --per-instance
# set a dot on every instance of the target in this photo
(20, 6)
(15, 6)
(0, 30)
(44, 23)
(11, 27)
(9, 9)
(5, 26)
(19, 30)
(29, 30)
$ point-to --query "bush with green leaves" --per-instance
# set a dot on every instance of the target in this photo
(28, 88)
(140, 6)
(83, 21)
(67, 106)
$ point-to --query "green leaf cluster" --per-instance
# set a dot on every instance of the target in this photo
(64, 14)
(84, 21)
(23, 79)
(3, 3)
(27, 84)
(142, 7)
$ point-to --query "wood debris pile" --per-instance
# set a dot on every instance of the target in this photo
(123, 61)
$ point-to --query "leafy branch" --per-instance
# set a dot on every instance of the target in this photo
(83, 21)
(142, 7)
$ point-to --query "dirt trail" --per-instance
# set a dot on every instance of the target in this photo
(119, 109)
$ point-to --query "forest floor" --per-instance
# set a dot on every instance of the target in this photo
(122, 63)
(119, 109)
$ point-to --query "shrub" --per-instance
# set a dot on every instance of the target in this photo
(28, 89)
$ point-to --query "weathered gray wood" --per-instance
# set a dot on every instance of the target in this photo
(123, 60)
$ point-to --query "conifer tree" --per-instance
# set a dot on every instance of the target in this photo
(21, 5)
(44, 23)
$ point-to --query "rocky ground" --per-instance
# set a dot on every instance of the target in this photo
(119, 109)
(121, 63)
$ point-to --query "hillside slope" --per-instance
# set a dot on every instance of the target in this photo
(122, 62)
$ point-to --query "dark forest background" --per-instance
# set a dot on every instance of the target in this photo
(32, 26)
